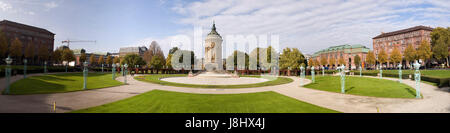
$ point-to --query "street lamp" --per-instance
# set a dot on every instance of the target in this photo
(399, 73)
(25, 61)
(381, 71)
(323, 71)
(302, 75)
(312, 74)
(45, 67)
(360, 71)
(342, 78)
(8, 73)
(417, 78)
(126, 71)
(85, 73)
(121, 69)
(113, 71)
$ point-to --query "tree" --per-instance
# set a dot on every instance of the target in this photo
(100, 60)
(173, 50)
(16, 49)
(169, 61)
(67, 55)
(424, 51)
(3, 45)
(440, 40)
(291, 58)
(396, 56)
(154, 49)
(371, 60)
(116, 60)
(317, 62)
(82, 58)
(29, 51)
(382, 57)
(57, 55)
(323, 60)
(109, 60)
(311, 62)
(410, 54)
(43, 53)
(357, 60)
(332, 61)
(157, 62)
(234, 61)
(132, 60)
(341, 60)
(92, 59)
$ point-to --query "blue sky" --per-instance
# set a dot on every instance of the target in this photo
(309, 25)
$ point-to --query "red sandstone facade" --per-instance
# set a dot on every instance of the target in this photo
(401, 39)
(347, 52)
(28, 35)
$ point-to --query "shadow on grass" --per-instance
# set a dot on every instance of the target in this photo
(410, 91)
(349, 89)
(54, 78)
(90, 74)
(34, 86)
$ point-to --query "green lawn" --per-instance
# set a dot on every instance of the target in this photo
(431, 73)
(57, 83)
(364, 86)
(156, 79)
(158, 101)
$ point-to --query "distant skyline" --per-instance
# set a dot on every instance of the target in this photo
(309, 25)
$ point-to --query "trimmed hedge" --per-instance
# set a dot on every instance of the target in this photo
(441, 82)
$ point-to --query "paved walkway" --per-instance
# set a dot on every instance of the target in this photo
(435, 99)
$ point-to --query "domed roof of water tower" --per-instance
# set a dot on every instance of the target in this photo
(213, 30)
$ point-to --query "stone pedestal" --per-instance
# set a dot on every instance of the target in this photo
(190, 74)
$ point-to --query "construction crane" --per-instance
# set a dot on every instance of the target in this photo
(71, 41)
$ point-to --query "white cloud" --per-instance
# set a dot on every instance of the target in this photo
(312, 25)
(5, 6)
(51, 5)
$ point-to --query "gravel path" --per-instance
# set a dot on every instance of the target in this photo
(435, 99)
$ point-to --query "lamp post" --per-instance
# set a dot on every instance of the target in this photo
(138, 70)
(85, 73)
(312, 75)
(417, 78)
(381, 71)
(399, 73)
(302, 75)
(126, 71)
(289, 71)
(121, 70)
(113, 71)
(342, 78)
(45, 67)
(25, 61)
(323, 71)
(8, 73)
(360, 71)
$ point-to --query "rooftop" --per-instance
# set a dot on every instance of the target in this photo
(341, 47)
(416, 28)
(15, 24)
(133, 49)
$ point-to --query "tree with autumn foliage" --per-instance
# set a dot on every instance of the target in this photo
(424, 51)
(382, 57)
(371, 60)
(396, 56)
